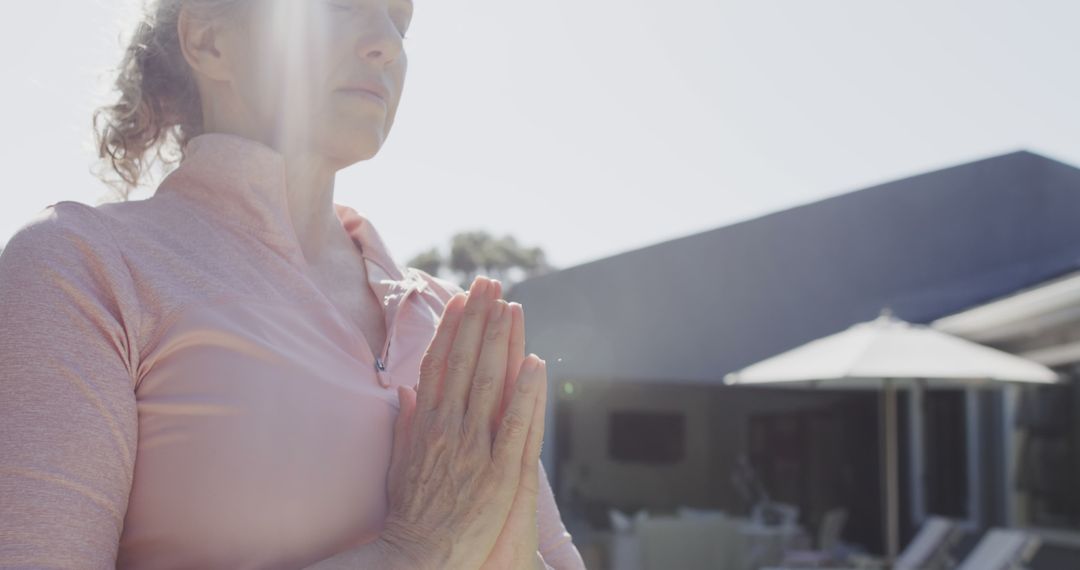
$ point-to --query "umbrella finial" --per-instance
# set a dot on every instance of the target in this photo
(887, 314)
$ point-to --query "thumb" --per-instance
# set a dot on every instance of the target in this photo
(403, 423)
(530, 461)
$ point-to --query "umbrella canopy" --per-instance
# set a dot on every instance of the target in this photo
(888, 354)
(889, 348)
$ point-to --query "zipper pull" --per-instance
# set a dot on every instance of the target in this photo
(381, 374)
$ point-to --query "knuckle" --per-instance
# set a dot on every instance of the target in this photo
(459, 361)
(513, 425)
(484, 381)
(473, 310)
(494, 334)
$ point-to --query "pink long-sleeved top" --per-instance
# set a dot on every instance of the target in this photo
(175, 391)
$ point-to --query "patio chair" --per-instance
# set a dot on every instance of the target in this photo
(829, 532)
(1002, 549)
(689, 543)
(831, 529)
(930, 549)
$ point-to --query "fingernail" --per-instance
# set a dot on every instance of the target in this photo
(497, 312)
(480, 287)
(531, 363)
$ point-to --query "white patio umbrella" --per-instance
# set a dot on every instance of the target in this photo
(889, 354)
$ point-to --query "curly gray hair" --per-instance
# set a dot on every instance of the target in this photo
(158, 109)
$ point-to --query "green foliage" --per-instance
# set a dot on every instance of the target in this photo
(480, 253)
(430, 261)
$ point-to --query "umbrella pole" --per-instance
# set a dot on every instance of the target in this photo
(916, 430)
(892, 485)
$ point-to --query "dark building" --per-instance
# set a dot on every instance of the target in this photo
(638, 344)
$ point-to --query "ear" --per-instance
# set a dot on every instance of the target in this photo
(202, 45)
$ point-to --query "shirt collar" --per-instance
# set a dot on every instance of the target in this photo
(241, 182)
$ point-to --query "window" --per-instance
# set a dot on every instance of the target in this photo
(647, 437)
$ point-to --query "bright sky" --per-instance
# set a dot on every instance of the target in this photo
(595, 127)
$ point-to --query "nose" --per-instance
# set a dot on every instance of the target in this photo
(381, 43)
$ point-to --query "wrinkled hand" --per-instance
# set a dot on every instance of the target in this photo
(456, 468)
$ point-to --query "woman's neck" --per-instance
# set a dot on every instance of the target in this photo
(309, 184)
(310, 194)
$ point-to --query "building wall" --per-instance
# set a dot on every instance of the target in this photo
(629, 486)
(717, 420)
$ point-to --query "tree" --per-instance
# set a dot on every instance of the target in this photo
(478, 252)
(469, 252)
(430, 261)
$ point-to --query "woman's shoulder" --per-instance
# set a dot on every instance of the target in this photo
(64, 264)
(69, 217)
(64, 239)
(104, 229)
(58, 227)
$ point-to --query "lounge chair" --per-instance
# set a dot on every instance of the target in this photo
(999, 549)
(1002, 549)
(930, 549)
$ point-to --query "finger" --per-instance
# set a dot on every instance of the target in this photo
(433, 364)
(514, 357)
(403, 425)
(514, 427)
(490, 377)
(461, 362)
(530, 466)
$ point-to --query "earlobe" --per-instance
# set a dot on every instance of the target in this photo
(200, 45)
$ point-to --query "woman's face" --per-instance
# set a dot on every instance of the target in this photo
(321, 76)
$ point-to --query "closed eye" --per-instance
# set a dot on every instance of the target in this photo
(402, 15)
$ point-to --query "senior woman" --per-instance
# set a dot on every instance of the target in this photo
(234, 373)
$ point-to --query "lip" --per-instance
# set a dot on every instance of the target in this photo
(366, 87)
